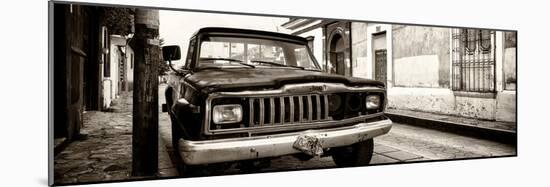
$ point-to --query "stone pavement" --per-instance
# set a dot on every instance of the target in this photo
(106, 153)
(437, 145)
(504, 132)
(500, 125)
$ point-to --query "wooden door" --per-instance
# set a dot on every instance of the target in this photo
(380, 64)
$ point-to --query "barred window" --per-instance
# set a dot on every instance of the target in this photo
(473, 60)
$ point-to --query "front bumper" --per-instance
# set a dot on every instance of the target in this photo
(235, 149)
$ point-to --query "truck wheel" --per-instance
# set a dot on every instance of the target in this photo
(188, 171)
(358, 154)
(175, 133)
(174, 126)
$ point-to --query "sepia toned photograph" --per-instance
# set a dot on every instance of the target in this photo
(142, 93)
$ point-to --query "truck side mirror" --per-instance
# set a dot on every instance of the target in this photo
(171, 52)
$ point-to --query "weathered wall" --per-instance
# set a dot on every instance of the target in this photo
(437, 100)
(110, 84)
(475, 107)
(364, 43)
(417, 71)
(107, 91)
(421, 75)
(129, 68)
(422, 49)
(509, 64)
(506, 106)
(506, 100)
(442, 101)
(340, 29)
(359, 48)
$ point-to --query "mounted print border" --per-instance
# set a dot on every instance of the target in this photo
(143, 93)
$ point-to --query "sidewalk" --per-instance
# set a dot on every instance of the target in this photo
(504, 132)
(106, 153)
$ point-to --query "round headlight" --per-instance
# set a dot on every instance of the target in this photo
(354, 102)
(373, 102)
(334, 102)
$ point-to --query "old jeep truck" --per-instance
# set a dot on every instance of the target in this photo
(245, 96)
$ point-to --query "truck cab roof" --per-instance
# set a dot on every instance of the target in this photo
(226, 31)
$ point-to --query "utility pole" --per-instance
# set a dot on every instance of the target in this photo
(145, 100)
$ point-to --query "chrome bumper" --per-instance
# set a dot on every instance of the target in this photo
(235, 149)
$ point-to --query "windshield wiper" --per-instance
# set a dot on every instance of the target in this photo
(230, 60)
(277, 64)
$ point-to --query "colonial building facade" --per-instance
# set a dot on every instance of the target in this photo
(90, 67)
(452, 71)
(118, 74)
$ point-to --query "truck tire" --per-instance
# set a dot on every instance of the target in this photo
(358, 154)
(173, 122)
(175, 133)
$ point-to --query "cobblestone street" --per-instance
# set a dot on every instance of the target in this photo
(105, 154)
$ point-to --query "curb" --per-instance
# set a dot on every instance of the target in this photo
(499, 135)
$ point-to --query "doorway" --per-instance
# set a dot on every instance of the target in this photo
(337, 55)
(380, 61)
(380, 56)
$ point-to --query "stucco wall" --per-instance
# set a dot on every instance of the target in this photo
(129, 69)
(506, 106)
(109, 87)
(110, 84)
(438, 100)
(444, 101)
(422, 76)
(506, 100)
(107, 91)
(317, 44)
(359, 48)
(423, 49)
(509, 66)
(363, 49)
(417, 71)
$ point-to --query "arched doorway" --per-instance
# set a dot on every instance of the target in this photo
(338, 49)
(337, 55)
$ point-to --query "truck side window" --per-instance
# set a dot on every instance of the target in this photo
(190, 52)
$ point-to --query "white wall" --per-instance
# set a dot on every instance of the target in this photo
(129, 68)
(426, 96)
(421, 71)
(317, 44)
(369, 72)
(110, 84)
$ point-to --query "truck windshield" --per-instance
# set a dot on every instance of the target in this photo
(234, 51)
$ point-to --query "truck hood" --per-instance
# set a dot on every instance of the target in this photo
(211, 80)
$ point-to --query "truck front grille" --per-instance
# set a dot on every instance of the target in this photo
(263, 111)
(293, 107)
